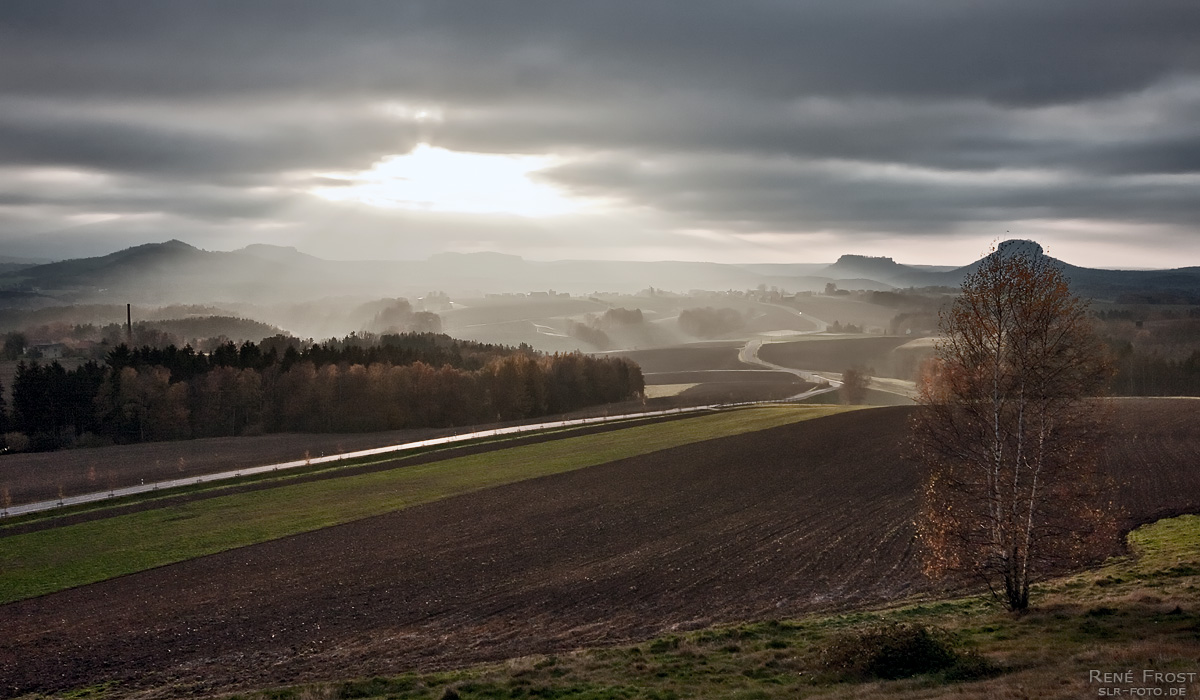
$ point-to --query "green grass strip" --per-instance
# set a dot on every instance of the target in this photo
(325, 469)
(51, 560)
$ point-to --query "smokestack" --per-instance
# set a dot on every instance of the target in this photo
(129, 323)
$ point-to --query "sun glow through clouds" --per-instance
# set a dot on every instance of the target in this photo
(435, 179)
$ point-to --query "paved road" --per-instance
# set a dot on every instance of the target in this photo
(749, 355)
(39, 506)
(888, 385)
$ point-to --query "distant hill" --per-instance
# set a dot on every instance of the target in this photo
(9, 259)
(891, 272)
(9, 263)
(13, 267)
(881, 269)
(279, 254)
(1180, 285)
(165, 272)
(175, 272)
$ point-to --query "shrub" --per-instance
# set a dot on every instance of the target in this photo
(588, 334)
(620, 317)
(900, 651)
(16, 442)
(972, 666)
(375, 687)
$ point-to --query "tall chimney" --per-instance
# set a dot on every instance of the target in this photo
(129, 323)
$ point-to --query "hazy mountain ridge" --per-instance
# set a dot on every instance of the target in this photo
(175, 272)
(1181, 283)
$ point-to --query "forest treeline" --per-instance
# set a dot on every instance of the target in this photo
(1151, 374)
(1153, 350)
(90, 332)
(594, 329)
(350, 385)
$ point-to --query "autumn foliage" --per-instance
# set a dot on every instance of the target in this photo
(1006, 430)
(413, 381)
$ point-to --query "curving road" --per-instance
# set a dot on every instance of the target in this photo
(749, 355)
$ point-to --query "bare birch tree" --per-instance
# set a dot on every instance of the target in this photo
(1006, 429)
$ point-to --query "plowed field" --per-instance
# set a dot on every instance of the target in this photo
(719, 376)
(689, 358)
(840, 354)
(804, 517)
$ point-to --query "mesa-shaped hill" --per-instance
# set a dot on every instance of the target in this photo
(175, 272)
(1180, 285)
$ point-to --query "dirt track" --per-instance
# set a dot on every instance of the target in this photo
(806, 517)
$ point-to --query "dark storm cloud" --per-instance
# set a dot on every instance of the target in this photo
(955, 135)
(72, 138)
(137, 195)
(750, 193)
(1021, 51)
(769, 115)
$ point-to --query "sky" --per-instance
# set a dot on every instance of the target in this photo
(749, 131)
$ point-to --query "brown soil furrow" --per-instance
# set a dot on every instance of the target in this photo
(811, 516)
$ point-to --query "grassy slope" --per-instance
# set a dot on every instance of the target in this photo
(42, 562)
(1139, 613)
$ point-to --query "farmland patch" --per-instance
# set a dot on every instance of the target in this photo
(815, 516)
(49, 560)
